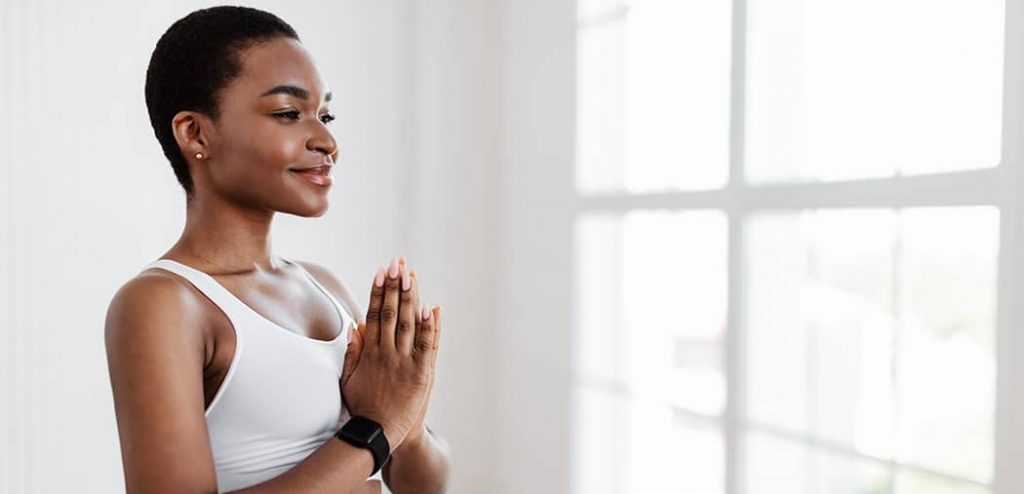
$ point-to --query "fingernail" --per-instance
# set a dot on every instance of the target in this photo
(393, 269)
(406, 281)
(379, 278)
(424, 313)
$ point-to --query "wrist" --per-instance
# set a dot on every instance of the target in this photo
(415, 440)
(392, 432)
(394, 435)
(364, 432)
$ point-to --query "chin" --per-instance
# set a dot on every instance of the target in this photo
(311, 200)
(319, 213)
(306, 209)
(315, 212)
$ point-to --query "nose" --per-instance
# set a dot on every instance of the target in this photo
(323, 142)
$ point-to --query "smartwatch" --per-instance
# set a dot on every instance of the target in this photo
(365, 433)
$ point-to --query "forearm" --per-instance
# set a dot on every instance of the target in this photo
(419, 468)
(336, 466)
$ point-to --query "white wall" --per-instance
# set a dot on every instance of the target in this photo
(88, 200)
(493, 141)
(455, 197)
(533, 333)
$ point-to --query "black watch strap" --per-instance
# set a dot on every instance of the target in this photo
(366, 433)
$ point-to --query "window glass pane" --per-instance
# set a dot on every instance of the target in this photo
(653, 98)
(775, 339)
(839, 90)
(873, 330)
(651, 306)
(777, 466)
(601, 112)
(598, 439)
(773, 466)
(946, 359)
(599, 330)
(589, 9)
(674, 289)
(917, 483)
(819, 325)
(626, 444)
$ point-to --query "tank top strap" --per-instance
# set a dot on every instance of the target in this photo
(205, 283)
(347, 319)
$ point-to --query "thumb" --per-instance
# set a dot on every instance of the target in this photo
(355, 347)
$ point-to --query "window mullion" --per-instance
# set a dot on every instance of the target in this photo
(1009, 433)
(730, 202)
(971, 188)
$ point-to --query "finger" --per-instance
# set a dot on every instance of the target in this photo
(358, 331)
(423, 349)
(437, 333)
(389, 310)
(412, 275)
(352, 354)
(435, 314)
(437, 327)
(409, 314)
(419, 308)
(372, 330)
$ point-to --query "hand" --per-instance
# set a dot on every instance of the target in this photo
(418, 429)
(355, 347)
(390, 360)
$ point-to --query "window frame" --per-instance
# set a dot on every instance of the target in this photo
(1001, 186)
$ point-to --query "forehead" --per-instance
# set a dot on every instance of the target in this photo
(282, 61)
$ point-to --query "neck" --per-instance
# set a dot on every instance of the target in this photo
(221, 237)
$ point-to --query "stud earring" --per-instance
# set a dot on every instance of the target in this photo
(199, 156)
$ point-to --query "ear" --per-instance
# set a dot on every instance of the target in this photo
(191, 131)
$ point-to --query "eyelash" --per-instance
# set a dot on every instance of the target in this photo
(294, 115)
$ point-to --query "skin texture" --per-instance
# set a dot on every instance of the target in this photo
(169, 347)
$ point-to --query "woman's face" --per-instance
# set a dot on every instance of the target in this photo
(273, 121)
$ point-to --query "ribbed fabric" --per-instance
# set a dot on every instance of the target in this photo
(280, 400)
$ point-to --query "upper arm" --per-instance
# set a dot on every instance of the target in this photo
(336, 287)
(155, 357)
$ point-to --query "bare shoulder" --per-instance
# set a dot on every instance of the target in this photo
(334, 284)
(152, 300)
(155, 357)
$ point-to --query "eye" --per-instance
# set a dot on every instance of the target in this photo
(290, 115)
(326, 118)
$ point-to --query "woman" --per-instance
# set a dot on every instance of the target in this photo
(212, 390)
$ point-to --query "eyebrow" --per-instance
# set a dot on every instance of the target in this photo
(296, 91)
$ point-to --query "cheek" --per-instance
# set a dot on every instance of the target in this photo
(267, 147)
(276, 145)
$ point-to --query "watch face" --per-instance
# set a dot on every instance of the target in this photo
(362, 430)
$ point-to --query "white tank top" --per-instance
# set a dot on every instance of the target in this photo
(280, 399)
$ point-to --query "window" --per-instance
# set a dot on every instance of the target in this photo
(787, 246)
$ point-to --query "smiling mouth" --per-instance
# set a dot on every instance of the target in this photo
(322, 169)
(318, 175)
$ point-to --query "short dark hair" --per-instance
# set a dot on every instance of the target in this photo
(194, 59)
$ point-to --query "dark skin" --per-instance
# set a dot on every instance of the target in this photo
(169, 347)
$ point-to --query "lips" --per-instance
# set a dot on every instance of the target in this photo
(321, 169)
(319, 174)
